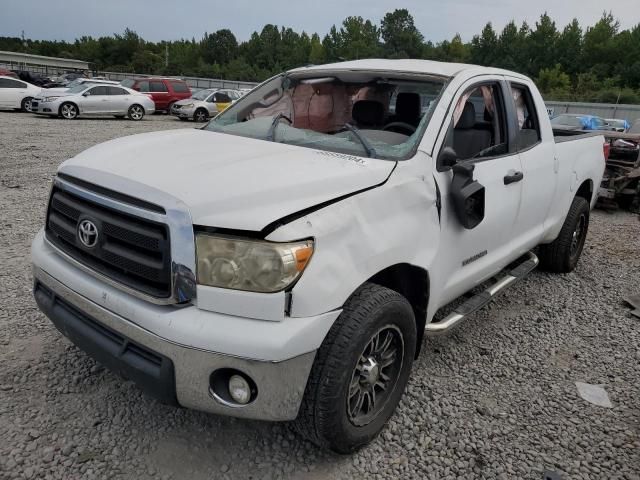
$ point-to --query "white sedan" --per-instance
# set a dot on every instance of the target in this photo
(94, 100)
(17, 94)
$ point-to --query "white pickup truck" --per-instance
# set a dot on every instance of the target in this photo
(285, 261)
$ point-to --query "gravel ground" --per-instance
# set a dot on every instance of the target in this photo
(496, 399)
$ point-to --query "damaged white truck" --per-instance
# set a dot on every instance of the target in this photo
(285, 261)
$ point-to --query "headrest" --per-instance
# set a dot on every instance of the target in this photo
(368, 113)
(408, 106)
(468, 117)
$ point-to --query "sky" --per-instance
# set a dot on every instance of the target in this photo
(174, 19)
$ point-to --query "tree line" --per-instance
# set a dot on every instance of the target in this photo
(595, 63)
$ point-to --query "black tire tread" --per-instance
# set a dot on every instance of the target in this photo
(315, 409)
(555, 256)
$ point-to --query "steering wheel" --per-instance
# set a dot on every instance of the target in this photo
(400, 127)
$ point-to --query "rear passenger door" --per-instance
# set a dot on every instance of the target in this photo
(539, 164)
(12, 92)
(478, 131)
(160, 94)
(119, 103)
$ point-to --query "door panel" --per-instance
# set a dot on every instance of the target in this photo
(538, 166)
(479, 134)
(474, 253)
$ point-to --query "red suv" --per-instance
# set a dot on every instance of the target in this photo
(164, 91)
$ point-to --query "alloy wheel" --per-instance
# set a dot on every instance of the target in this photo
(375, 375)
(69, 111)
(136, 112)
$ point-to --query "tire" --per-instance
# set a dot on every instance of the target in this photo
(200, 115)
(136, 112)
(168, 110)
(562, 255)
(333, 414)
(68, 111)
(25, 105)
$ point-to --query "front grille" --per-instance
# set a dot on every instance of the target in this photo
(131, 250)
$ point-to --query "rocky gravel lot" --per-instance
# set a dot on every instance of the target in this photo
(496, 399)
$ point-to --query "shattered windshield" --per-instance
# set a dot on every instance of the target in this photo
(354, 112)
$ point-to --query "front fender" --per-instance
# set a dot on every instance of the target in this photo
(362, 235)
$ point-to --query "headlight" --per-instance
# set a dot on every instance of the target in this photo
(188, 105)
(250, 265)
(50, 99)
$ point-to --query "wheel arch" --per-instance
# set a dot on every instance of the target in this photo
(586, 190)
(413, 283)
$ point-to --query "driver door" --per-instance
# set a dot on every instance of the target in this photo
(95, 101)
(479, 134)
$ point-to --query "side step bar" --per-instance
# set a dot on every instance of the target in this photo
(478, 301)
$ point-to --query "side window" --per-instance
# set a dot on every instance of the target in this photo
(180, 87)
(528, 133)
(157, 86)
(143, 86)
(98, 91)
(117, 91)
(222, 97)
(479, 123)
(8, 83)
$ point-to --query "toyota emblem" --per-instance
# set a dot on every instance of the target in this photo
(88, 233)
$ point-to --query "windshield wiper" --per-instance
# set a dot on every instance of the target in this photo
(271, 134)
(371, 152)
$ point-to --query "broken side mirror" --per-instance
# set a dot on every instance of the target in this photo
(468, 196)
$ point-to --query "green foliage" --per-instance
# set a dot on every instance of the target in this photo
(401, 37)
(597, 63)
(553, 79)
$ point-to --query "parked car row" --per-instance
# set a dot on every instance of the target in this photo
(132, 98)
(577, 121)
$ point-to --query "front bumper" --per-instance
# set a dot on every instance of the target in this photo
(182, 112)
(172, 373)
(44, 108)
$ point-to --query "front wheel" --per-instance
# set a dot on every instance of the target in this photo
(25, 105)
(562, 255)
(201, 115)
(136, 112)
(360, 371)
(68, 111)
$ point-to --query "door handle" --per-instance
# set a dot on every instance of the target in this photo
(513, 177)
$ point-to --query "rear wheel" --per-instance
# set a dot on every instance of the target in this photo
(136, 112)
(360, 371)
(562, 255)
(68, 110)
(201, 115)
(25, 105)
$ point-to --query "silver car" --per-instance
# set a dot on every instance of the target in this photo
(93, 100)
(200, 107)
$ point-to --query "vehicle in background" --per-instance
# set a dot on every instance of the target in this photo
(627, 147)
(200, 107)
(32, 78)
(225, 97)
(8, 73)
(164, 91)
(617, 125)
(17, 94)
(89, 99)
(571, 121)
(81, 81)
(289, 265)
(244, 91)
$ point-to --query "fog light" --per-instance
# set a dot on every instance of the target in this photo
(239, 389)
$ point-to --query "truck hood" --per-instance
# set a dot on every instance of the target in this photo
(226, 181)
